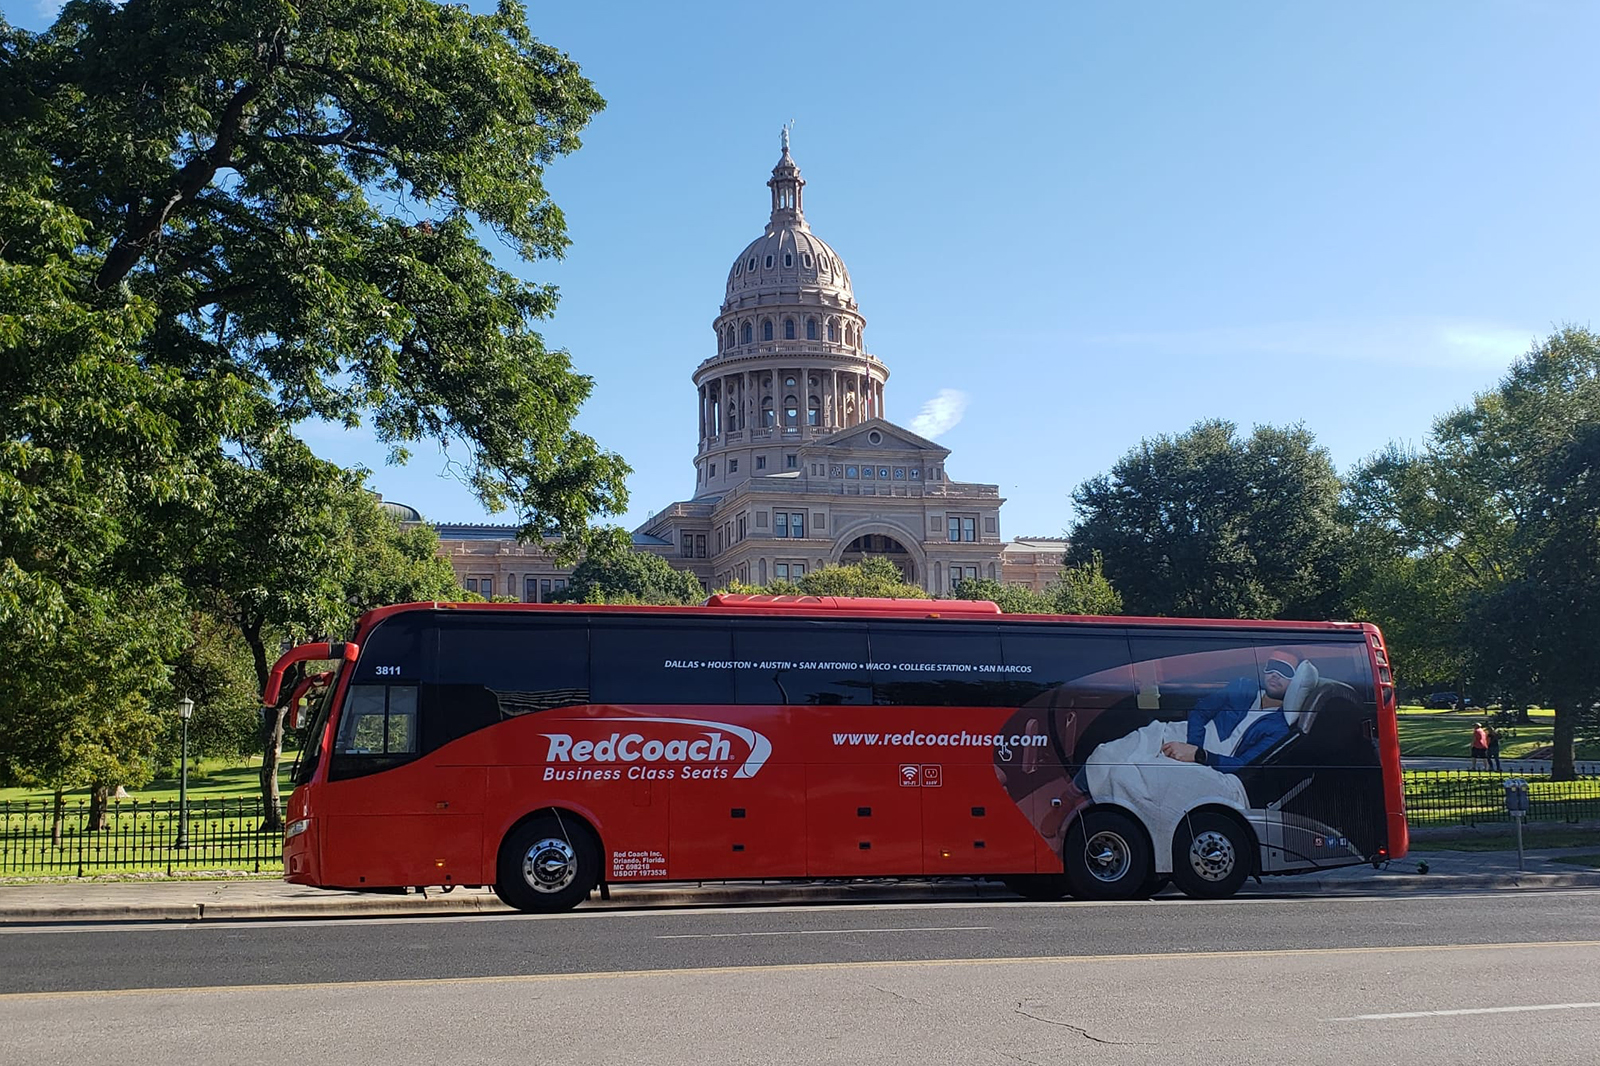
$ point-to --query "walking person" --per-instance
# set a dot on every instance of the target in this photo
(1493, 753)
(1480, 746)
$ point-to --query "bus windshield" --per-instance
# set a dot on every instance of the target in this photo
(305, 763)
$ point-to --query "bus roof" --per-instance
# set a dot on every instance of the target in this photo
(852, 607)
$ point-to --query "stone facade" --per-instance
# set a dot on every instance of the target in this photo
(797, 465)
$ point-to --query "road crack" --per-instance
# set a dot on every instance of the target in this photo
(897, 995)
(1081, 1031)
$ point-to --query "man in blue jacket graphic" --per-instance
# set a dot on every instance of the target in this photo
(1253, 712)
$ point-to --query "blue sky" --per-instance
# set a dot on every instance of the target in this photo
(1094, 222)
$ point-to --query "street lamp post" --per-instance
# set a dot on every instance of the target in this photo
(185, 710)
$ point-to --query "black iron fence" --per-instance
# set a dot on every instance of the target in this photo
(1471, 797)
(38, 839)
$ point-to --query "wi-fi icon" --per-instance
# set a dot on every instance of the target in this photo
(910, 773)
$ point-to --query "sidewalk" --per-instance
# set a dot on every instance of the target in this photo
(226, 900)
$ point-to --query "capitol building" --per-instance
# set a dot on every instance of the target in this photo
(797, 465)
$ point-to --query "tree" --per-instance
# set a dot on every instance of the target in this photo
(216, 669)
(626, 576)
(1501, 511)
(1085, 589)
(1211, 525)
(255, 172)
(209, 233)
(1011, 599)
(873, 576)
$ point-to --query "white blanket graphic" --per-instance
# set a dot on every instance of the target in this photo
(1131, 772)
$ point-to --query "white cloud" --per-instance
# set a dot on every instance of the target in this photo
(940, 414)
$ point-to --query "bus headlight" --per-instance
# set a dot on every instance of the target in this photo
(296, 827)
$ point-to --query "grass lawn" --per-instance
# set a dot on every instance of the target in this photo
(1449, 734)
(214, 780)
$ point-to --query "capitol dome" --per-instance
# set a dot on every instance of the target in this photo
(788, 257)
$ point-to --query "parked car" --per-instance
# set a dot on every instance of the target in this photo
(1447, 701)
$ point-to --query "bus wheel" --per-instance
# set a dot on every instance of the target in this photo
(1106, 856)
(547, 864)
(1211, 855)
(1038, 886)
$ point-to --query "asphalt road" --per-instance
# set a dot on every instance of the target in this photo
(1491, 977)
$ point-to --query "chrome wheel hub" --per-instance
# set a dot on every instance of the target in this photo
(1107, 856)
(1212, 856)
(550, 865)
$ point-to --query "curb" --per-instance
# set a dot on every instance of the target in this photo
(696, 895)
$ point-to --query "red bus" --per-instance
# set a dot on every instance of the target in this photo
(549, 749)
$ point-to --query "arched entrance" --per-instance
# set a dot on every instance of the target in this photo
(881, 546)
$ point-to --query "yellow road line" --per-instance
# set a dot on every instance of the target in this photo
(806, 967)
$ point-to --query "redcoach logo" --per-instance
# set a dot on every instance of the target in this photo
(659, 754)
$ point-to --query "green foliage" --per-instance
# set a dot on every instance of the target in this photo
(209, 233)
(627, 576)
(1085, 589)
(1208, 524)
(1495, 527)
(1011, 599)
(872, 576)
(215, 669)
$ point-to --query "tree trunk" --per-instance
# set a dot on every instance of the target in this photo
(99, 799)
(271, 750)
(1561, 760)
(58, 814)
(271, 731)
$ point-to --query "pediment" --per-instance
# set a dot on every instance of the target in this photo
(875, 435)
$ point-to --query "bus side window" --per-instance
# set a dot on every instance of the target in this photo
(379, 720)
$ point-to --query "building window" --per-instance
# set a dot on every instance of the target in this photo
(850, 471)
(741, 527)
(866, 471)
(814, 412)
(788, 259)
(811, 329)
(766, 330)
(544, 590)
(688, 545)
(530, 586)
(780, 571)
(798, 570)
(955, 529)
(883, 473)
(769, 262)
(747, 333)
(916, 474)
(955, 577)
(699, 545)
(833, 330)
(791, 413)
(788, 329)
(751, 264)
(713, 471)
(791, 462)
(780, 523)
(807, 260)
(761, 462)
(767, 416)
(733, 466)
(835, 470)
(899, 473)
(827, 264)
(561, 583)
(797, 524)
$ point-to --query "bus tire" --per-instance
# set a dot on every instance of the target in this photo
(547, 864)
(1041, 887)
(1106, 856)
(1212, 855)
